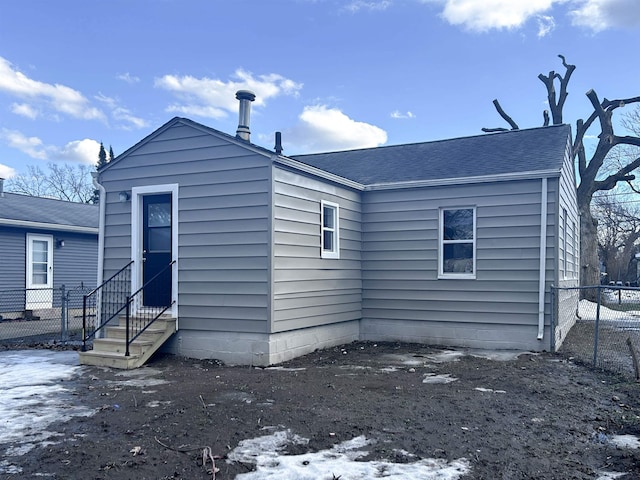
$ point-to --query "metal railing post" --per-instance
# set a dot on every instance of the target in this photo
(597, 327)
(128, 309)
(84, 323)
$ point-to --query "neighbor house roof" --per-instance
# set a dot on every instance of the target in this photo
(38, 212)
(489, 155)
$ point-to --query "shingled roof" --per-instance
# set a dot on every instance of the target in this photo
(16, 209)
(512, 152)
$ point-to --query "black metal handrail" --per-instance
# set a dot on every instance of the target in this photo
(144, 317)
(107, 300)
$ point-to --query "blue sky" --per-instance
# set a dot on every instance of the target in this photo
(328, 74)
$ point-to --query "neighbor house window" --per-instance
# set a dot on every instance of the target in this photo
(458, 242)
(330, 237)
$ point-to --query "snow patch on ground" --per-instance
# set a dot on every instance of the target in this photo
(33, 396)
(443, 378)
(343, 461)
(625, 441)
(140, 377)
(609, 475)
(489, 390)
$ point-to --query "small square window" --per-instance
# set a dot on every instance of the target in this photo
(330, 237)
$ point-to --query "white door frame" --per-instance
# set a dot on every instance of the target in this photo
(136, 238)
(39, 295)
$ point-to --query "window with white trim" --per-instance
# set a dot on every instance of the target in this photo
(330, 229)
(562, 244)
(457, 243)
(576, 249)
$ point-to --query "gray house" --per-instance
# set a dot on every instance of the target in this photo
(453, 242)
(46, 243)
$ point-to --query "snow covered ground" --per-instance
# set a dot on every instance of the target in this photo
(33, 396)
(342, 461)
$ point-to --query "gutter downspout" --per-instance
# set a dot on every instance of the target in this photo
(543, 259)
(102, 194)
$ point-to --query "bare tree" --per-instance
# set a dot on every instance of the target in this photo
(618, 234)
(65, 182)
(594, 173)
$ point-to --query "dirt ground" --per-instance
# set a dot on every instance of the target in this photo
(533, 417)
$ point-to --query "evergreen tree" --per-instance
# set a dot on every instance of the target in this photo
(102, 157)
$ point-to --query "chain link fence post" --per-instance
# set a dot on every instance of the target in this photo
(63, 313)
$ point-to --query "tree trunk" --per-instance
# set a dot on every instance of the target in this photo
(589, 263)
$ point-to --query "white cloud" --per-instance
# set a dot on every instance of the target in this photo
(214, 98)
(485, 15)
(546, 24)
(399, 114)
(357, 5)
(25, 110)
(599, 15)
(32, 146)
(81, 151)
(481, 16)
(56, 97)
(325, 129)
(123, 115)
(6, 171)
(127, 77)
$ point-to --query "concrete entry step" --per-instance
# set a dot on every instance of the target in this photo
(110, 351)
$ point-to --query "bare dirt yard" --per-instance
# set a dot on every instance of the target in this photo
(359, 411)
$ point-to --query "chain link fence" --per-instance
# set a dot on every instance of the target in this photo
(35, 316)
(599, 326)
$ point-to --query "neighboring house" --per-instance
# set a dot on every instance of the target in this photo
(453, 242)
(46, 243)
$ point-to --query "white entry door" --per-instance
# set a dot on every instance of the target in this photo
(39, 272)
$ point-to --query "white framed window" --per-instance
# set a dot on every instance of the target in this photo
(576, 249)
(565, 245)
(330, 229)
(457, 243)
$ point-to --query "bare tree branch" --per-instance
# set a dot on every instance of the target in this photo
(65, 182)
(557, 106)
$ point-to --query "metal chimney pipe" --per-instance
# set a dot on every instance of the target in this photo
(278, 146)
(244, 119)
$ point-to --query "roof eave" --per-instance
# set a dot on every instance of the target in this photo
(465, 180)
(47, 226)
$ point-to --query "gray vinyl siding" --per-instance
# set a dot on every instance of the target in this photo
(12, 258)
(77, 262)
(568, 202)
(223, 224)
(400, 257)
(73, 264)
(309, 290)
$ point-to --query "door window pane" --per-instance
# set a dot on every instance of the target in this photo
(159, 214)
(159, 239)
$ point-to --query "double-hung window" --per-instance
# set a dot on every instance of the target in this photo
(457, 243)
(330, 231)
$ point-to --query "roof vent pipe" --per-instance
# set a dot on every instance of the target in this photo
(278, 146)
(245, 97)
(1, 187)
